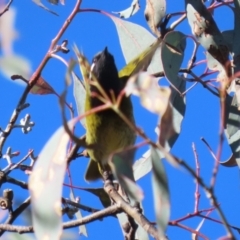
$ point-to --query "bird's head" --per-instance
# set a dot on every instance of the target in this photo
(104, 69)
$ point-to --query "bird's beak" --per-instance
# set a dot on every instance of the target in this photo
(105, 50)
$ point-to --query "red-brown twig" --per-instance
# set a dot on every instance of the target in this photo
(6, 8)
(188, 229)
(36, 75)
(197, 194)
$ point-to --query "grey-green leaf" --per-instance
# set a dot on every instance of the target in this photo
(172, 55)
(40, 4)
(78, 215)
(133, 43)
(15, 64)
(154, 13)
(46, 180)
(143, 166)
(79, 93)
(160, 192)
(130, 11)
(232, 130)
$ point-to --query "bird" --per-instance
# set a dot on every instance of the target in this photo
(106, 131)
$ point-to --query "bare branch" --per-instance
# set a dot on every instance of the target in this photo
(6, 8)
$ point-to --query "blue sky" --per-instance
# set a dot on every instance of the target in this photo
(91, 32)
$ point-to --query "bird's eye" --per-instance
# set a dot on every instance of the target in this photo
(96, 58)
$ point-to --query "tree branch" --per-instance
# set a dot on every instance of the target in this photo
(131, 211)
(36, 75)
(6, 8)
(14, 215)
(110, 211)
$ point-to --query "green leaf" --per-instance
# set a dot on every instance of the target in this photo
(15, 64)
(154, 13)
(141, 62)
(160, 192)
(153, 97)
(8, 33)
(143, 166)
(85, 68)
(54, 1)
(172, 55)
(17, 236)
(130, 11)
(40, 4)
(236, 36)
(45, 185)
(132, 42)
(232, 131)
(178, 104)
(236, 49)
(121, 165)
(205, 29)
(228, 35)
(101, 194)
(79, 93)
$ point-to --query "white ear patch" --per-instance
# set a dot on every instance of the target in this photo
(92, 66)
(91, 69)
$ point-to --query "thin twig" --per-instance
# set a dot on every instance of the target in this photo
(205, 85)
(217, 221)
(189, 229)
(131, 211)
(110, 211)
(6, 8)
(14, 181)
(191, 215)
(210, 195)
(15, 214)
(36, 75)
(80, 206)
(221, 136)
(209, 148)
(197, 193)
(16, 165)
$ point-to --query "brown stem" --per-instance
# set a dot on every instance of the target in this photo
(15, 214)
(6, 8)
(131, 211)
(110, 211)
(36, 75)
(210, 195)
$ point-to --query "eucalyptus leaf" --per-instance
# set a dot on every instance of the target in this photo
(205, 29)
(79, 93)
(15, 64)
(133, 44)
(236, 48)
(154, 13)
(142, 61)
(121, 165)
(228, 35)
(232, 131)
(130, 11)
(172, 55)
(40, 4)
(143, 166)
(46, 179)
(160, 192)
(78, 215)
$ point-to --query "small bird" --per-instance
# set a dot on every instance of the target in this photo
(106, 130)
